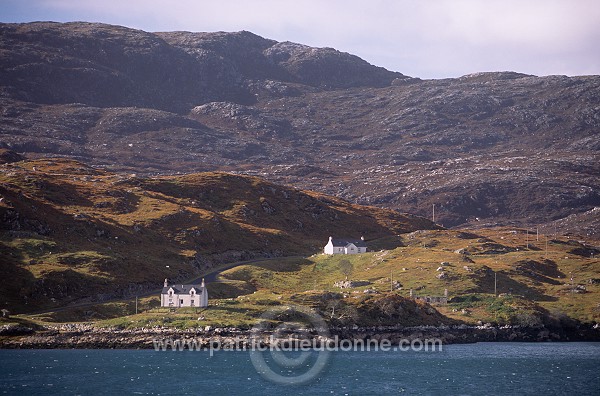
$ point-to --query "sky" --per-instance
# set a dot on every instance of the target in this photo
(419, 38)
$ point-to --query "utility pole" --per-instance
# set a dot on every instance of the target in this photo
(572, 287)
(537, 234)
(495, 284)
(527, 237)
(546, 254)
(433, 216)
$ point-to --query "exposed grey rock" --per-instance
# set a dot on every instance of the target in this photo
(347, 284)
(487, 148)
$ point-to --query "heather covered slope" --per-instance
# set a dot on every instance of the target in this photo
(69, 231)
(486, 149)
(546, 286)
(540, 279)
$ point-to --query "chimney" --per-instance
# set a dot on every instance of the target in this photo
(166, 282)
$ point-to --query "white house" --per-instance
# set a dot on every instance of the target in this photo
(345, 246)
(176, 296)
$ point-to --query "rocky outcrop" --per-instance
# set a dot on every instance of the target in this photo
(9, 156)
(109, 66)
(86, 336)
(487, 148)
(348, 284)
(327, 67)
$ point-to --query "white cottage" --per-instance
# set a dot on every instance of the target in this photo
(345, 246)
(176, 296)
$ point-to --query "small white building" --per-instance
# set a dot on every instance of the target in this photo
(176, 296)
(345, 246)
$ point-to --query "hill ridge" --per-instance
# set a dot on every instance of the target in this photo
(497, 148)
(69, 231)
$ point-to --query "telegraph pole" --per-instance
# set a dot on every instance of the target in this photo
(433, 216)
(572, 287)
(495, 284)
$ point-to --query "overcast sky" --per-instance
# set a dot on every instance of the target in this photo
(420, 38)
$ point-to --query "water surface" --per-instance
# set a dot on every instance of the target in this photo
(472, 369)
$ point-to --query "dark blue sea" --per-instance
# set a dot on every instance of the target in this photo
(473, 369)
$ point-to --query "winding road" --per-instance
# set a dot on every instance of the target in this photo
(209, 277)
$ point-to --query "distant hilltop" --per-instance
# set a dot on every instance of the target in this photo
(112, 66)
(487, 149)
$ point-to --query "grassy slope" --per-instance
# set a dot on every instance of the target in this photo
(70, 232)
(534, 285)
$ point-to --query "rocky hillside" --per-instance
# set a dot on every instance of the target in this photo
(69, 231)
(486, 149)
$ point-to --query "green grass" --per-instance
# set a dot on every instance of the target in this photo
(523, 293)
(533, 285)
(239, 312)
(75, 232)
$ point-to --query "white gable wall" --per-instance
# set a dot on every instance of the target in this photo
(203, 297)
(329, 248)
(349, 248)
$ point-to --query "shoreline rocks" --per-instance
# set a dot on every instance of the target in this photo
(82, 336)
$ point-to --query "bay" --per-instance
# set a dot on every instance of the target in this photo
(467, 369)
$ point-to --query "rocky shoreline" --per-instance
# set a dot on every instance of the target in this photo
(84, 336)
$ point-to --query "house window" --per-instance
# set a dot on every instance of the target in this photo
(192, 301)
(181, 301)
